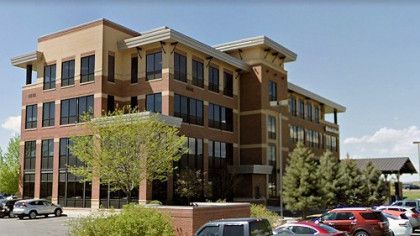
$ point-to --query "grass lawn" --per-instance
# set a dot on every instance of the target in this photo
(411, 194)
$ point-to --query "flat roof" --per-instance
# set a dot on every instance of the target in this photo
(165, 34)
(88, 25)
(316, 97)
(258, 41)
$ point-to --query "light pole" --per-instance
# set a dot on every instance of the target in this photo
(279, 104)
(418, 154)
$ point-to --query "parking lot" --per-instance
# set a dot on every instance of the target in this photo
(41, 226)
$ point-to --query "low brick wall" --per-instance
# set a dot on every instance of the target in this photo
(187, 220)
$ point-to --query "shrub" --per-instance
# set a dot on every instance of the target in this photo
(134, 220)
(155, 202)
(260, 211)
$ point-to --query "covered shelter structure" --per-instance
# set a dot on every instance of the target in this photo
(390, 166)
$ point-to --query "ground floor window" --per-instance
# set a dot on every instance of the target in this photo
(272, 178)
(116, 199)
(28, 186)
(72, 192)
(46, 185)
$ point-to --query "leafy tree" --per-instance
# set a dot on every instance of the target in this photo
(327, 179)
(192, 184)
(350, 187)
(376, 186)
(301, 191)
(126, 149)
(9, 168)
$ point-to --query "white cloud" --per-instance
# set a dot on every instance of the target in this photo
(12, 123)
(385, 142)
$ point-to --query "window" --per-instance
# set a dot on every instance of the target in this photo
(154, 102)
(309, 111)
(220, 117)
(30, 154)
(293, 106)
(111, 68)
(189, 109)
(134, 69)
(87, 71)
(317, 114)
(271, 127)
(303, 230)
(111, 103)
(228, 84)
(49, 77)
(272, 178)
(28, 186)
(233, 230)
(134, 102)
(344, 216)
(194, 158)
(209, 231)
(31, 116)
(47, 154)
(72, 192)
(46, 185)
(73, 109)
(220, 154)
(197, 73)
(260, 228)
(154, 66)
(302, 109)
(272, 91)
(180, 67)
(67, 73)
(213, 79)
(301, 135)
(66, 158)
(294, 134)
(48, 113)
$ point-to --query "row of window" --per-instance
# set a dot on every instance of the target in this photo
(87, 72)
(299, 108)
(272, 178)
(72, 111)
(313, 138)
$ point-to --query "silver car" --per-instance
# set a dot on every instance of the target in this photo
(35, 207)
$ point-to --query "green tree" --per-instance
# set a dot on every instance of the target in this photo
(126, 149)
(301, 192)
(375, 185)
(9, 168)
(327, 179)
(350, 185)
(192, 184)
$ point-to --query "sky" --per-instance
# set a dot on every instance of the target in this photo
(364, 56)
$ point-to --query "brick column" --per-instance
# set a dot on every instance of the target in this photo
(56, 162)
(21, 169)
(37, 187)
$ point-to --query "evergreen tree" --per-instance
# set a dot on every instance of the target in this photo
(376, 186)
(327, 179)
(350, 187)
(301, 192)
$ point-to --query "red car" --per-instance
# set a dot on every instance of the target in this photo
(357, 221)
(307, 228)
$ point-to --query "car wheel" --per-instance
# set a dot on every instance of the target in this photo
(58, 212)
(1, 216)
(20, 217)
(46, 215)
(32, 215)
(361, 233)
(11, 215)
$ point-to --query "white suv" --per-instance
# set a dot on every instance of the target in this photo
(34, 207)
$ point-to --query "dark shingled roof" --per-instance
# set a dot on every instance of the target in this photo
(390, 165)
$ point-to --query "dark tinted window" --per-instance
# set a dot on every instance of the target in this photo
(29, 158)
(47, 154)
(213, 79)
(303, 230)
(134, 69)
(272, 91)
(73, 109)
(154, 66)
(48, 113)
(134, 102)
(376, 215)
(49, 77)
(111, 103)
(328, 216)
(220, 117)
(111, 68)
(344, 216)
(209, 231)
(228, 84)
(31, 116)
(233, 230)
(180, 67)
(154, 102)
(87, 72)
(260, 227)
(67, 73)
(189, 109)
(410, 204)
(198, 73)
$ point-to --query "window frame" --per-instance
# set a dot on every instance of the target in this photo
(272, 91)
(50, 72)
(31, 116)
(88, 74)
(111, 68)
(47, 144)
(214, 80)
(157, 106)
(134, 72)
(227, 84)
(75, 118)
(198, 73)
(180, 67)
(48, 120)
(156, 73)
(67, 78)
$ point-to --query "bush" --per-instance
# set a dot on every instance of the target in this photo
(260, 211)
(134, 220)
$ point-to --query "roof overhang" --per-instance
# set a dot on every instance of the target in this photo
(330, 105)
(26, 59)
(167, 34)
(251, 169)
(258, 41)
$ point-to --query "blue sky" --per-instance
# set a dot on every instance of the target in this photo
(364, 56)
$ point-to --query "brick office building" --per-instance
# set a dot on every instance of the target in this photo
(240, 113)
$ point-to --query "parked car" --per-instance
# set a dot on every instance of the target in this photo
(412, 214)
(357, 221)
(411, 186)
(408, 203)
(6, 208)
(398, 226)
(236, 227)
(34, 207)
(307, 228)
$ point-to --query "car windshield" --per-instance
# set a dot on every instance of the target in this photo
(260, 227)
(390, 216)
(410, 204)
(327, 228)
